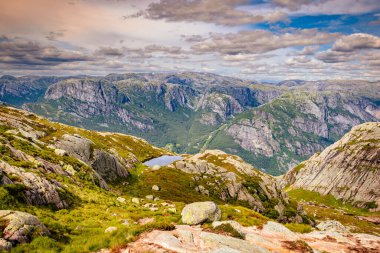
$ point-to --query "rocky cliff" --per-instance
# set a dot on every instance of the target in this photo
(273, 127)
(349, 169)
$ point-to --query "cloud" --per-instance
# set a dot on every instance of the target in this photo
(55, 35)
(295, 4)
(356, 41)
(208, 11)
(261, 41)
(110, 52)
(358, 46)
(24, 52)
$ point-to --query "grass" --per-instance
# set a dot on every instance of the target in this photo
(327, 207)
(299, 228)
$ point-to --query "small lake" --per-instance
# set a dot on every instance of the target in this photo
(163, 160)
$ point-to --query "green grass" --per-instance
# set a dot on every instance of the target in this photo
(329, 208)
(299, 228)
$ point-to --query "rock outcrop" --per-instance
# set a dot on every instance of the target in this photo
(20, 227)
(349, 169)
(228, 177)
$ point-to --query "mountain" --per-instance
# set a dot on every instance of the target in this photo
(349, 169)
(273, 127)
(61, 185)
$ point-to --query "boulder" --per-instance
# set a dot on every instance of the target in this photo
(155, 188)
(136, 200)
(5, 245)
(108, 166)
(332, 226)
(199, 212)
(20, 227)
(75, 146)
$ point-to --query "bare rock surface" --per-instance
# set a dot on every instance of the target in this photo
(349, 169)
(21, 226)
(271, 238)
(199, 212)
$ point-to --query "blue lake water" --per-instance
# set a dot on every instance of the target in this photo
(163, 160)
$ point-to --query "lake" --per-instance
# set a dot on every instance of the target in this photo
(163, 160)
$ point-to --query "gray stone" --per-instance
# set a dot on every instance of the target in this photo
(21, 226)
(332, 226)
(199, 212)
(155, 188)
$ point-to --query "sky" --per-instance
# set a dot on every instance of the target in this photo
(264, 40)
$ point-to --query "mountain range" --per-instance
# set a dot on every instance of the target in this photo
(272, 126)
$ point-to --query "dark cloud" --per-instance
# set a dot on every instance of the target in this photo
(261, 41)
(55, 35)
(23, 52)
(110, 52)
(209, 11)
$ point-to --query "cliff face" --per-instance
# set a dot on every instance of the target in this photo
(280, 134)
(349, 169)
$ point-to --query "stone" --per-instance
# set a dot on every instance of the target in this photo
(136, 200)
(150, 197)
(110, 229)
(239, 245)
(120, 199)
(21, 226)
(155, 188)
(172, 210)
(200, 212)
(5, 245)
(60, 152)
(332, 226)
(273, 227)
(156, 167)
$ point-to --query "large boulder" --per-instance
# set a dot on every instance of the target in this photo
(199, 212)
(20, 227)
(108, 166)
(76, 146)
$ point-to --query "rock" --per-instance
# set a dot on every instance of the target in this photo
(110, 229)
(108, 166)
(121, 200)
(21, 227)
(156, 167)
(155, 188)
(332, 226)
(348, 169)
(150, 197)
(172, 210)
(75, 146)
(5, 245)
(136, 200)
(238, 245)
(235, 225)
(60, 152)
(273, 227)
(39, 191)
(199, 212)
